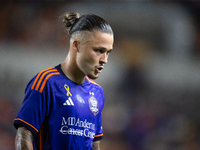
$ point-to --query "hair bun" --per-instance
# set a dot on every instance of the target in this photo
(69, 19)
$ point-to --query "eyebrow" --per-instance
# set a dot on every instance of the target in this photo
(103, 48)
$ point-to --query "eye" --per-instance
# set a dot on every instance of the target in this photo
(99, 50)
(108, 52)
(102, 50)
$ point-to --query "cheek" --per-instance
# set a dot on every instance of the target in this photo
(85, 60)
(88, 58)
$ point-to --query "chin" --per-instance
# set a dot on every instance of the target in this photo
(93, 77)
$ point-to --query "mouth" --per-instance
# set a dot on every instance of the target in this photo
(99, 69)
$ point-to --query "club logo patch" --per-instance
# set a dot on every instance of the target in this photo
(94, 106)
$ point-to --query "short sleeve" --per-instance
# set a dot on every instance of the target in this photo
(34, 108)
(99, 130)
(99, 134)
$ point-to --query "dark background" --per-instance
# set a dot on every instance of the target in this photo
(151, 81)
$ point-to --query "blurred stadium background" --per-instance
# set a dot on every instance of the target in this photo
(152, 80)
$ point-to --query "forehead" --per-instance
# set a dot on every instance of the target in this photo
(98, 38)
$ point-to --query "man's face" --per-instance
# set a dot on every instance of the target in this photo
(93, 53)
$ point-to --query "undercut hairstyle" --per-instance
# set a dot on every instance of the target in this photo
(74, 22)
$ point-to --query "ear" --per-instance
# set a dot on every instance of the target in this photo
(76, 45)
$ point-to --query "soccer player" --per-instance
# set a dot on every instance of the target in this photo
(62, 107)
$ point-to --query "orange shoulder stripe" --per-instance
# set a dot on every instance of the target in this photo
(36, 79)
(98, 135)
(27, 124)
(90, 80)
(45, 80)
(41, 78)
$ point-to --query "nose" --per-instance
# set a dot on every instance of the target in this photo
(104, 58)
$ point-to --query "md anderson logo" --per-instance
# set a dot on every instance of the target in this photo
(75, 126)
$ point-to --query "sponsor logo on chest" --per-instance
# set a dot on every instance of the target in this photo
(78, 127)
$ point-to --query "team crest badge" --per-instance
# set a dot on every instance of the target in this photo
(94, 106)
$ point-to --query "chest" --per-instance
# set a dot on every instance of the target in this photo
(71, 100)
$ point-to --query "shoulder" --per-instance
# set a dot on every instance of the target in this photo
(94, 87)
(40, 80)
(92, 82)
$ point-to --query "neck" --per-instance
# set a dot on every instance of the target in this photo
(71, 70)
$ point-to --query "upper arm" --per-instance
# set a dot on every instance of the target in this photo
(23, 139)
(96, 145)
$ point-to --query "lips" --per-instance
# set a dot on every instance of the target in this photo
(99, 69)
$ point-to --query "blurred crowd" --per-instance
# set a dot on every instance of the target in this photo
(152, 94)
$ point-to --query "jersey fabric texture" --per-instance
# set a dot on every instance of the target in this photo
(61, 114)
